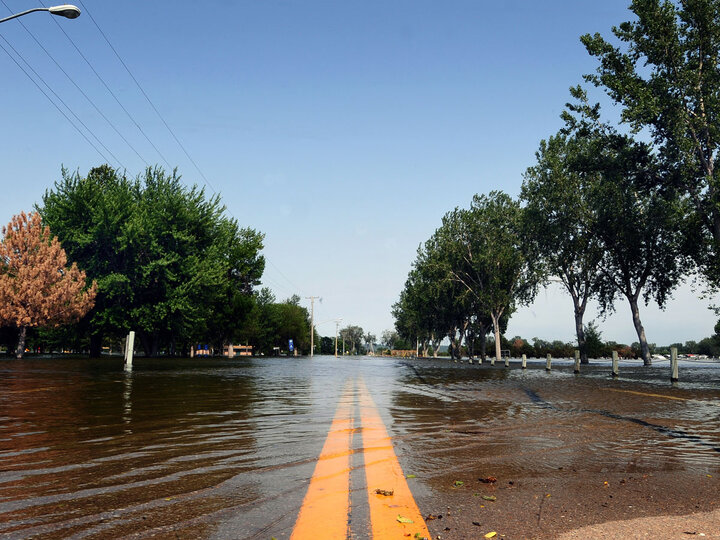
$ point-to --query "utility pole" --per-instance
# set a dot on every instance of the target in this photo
(337, 324)
(312, 323)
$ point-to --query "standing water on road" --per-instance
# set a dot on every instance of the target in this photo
(226, 448)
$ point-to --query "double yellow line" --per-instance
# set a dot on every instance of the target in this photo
(326, 508)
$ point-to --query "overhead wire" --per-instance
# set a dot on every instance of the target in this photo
(147, 98)
(167, 126)
(107, 87)
(89, 100)
(107, 120)
(49, 98)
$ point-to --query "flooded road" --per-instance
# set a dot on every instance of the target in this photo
(227, 448)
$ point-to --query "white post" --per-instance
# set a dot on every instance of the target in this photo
(577, 361)
(673, 364)
(524, 361)
(129, 346)
(548, 362)
(615, 370)
(507, 361)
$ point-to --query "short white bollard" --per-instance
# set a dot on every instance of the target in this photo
(548, 362)
(524, 361)
(673, 364)
(615, 370)
(129, 347)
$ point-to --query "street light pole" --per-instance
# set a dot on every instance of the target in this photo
(66, 10)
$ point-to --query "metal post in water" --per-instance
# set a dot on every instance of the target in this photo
(615, 371)
(548, 362)
(673, 364)
(524, 361)
(577, 361)
(129, 347)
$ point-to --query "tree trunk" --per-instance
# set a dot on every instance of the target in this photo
(20, 351)
(580, 331)
(151, 344)
(451, 347)
(95, 345)
(496, 330)
(640, 332)
(483, 342)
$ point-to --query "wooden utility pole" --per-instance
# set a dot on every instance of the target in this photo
(337, 324)
(312, 323)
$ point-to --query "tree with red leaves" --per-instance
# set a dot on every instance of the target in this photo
(37, 288)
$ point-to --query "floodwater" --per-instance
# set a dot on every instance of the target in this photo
(211, 448)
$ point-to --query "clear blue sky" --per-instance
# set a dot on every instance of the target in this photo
(341, 130)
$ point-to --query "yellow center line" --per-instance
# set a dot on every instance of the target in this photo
(383, 471)
(648, 394)
(325, 509)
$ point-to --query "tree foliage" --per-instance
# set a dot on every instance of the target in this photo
(37, 287)
(559, 216)
(666, 76)
(168, 262)
(468, 276)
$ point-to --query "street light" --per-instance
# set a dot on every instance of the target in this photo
(66, 10)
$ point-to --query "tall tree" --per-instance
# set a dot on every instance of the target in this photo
(488, 256)
(666, 76)
(639, 227)
(170, 264)
(559, 215)
(37, 287)
(353, 336)
(90, 216)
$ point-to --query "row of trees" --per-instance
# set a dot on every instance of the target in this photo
(162, 259)
(607, 215)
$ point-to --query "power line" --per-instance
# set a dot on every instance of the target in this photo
(50, 100)
(142, 91)
(82, 92)
(130, 116)
(162, 119)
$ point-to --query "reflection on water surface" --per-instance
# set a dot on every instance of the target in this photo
(225, 448)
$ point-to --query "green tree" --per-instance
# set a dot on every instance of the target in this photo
(488, 257)
(559, 216)
(353, 337)
(90, 216)
(167, 261)
(287, 321)
(639, 227)
(666, 76)
(593, 340)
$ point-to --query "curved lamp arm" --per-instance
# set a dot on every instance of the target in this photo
(66, 10)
